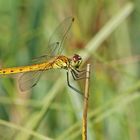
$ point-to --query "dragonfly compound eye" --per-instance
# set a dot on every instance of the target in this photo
(76, 61)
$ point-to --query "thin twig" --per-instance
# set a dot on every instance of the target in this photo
(86, 96)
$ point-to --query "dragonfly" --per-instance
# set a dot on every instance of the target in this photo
(52, 60)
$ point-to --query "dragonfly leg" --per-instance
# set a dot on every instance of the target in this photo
(79, 72)
(68, 81)
(78, 76)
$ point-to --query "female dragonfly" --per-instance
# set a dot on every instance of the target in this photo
(52, 60)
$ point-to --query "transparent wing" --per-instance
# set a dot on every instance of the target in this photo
(29, 79)
(40, 59)
(56, 41)
(45, 57)
(59, 36)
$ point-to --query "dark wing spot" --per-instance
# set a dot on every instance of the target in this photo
(11, 71)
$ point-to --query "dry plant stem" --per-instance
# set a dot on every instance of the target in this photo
(86, 96)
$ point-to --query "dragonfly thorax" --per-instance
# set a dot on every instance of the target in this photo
(76, 61)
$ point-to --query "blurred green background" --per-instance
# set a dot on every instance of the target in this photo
(105, 33)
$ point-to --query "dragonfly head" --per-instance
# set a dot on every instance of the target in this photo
(76, 61)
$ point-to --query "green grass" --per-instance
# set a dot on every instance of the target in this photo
(105, 34)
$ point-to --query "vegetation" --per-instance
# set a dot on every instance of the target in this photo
(106, 34)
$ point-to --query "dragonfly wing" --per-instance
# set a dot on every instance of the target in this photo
(45, 57)
(40, 59)
(57, 39)
(29, 79)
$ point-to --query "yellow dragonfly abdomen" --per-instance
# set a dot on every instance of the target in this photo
(22, 69)
(55, 63)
